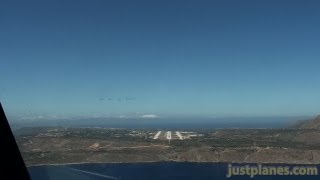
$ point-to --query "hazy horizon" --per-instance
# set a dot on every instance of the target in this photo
(162, 123)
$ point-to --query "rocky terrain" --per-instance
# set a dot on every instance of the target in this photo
(75, 145)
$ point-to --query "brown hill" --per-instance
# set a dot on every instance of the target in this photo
(309, 124)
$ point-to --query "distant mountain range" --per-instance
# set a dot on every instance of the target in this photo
(308, 124)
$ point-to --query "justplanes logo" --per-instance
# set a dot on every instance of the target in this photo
(265, 170)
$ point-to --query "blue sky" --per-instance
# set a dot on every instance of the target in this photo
(162, 58)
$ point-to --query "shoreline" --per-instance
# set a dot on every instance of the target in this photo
(145, 162)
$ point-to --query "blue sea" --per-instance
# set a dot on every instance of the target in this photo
(168, 123)
(146, 171)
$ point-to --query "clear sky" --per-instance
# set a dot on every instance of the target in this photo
(160, 58)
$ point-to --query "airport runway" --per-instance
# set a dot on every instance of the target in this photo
(157, 135)
(169, 135)
(179, 135)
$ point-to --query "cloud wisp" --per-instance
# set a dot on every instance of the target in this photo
(149, 116)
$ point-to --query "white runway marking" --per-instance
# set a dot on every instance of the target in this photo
(169, 135)
(179, 135)
(157, 135)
